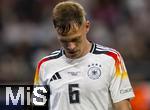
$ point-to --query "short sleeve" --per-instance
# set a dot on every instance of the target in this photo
(120, 86)
(38, 79)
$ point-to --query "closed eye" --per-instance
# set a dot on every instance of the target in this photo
(65, 40)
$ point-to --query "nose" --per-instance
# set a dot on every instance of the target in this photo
(71, 46)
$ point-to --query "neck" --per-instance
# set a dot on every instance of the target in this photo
(87, 47)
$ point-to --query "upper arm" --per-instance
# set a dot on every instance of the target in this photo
(120, 87)
(123, 105)
(38, 79)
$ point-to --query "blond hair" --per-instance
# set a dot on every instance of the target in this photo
(66, 15)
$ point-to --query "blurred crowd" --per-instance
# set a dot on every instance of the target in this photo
(27, 34)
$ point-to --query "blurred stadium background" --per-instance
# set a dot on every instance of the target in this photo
(27, 34)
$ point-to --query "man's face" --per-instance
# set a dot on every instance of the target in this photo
(74, 42)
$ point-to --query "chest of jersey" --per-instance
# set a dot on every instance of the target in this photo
(81, 78)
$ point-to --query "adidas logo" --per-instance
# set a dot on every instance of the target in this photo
(55, 76)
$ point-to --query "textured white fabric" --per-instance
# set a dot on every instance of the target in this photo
(88, 83)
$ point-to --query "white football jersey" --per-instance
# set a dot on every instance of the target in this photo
(92, 82)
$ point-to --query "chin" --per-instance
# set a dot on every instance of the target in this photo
(74, 56)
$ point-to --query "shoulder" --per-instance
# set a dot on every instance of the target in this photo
(54, 55)
(110, 52)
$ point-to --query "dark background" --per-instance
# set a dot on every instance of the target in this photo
(27, 35)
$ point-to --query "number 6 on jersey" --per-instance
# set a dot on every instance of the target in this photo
(73, 93)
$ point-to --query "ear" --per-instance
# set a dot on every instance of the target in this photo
(87, 25)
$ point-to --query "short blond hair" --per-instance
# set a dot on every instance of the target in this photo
(66, 14)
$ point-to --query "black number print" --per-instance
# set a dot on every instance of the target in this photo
(74, 93)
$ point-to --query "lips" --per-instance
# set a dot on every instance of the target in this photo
(72, 52)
